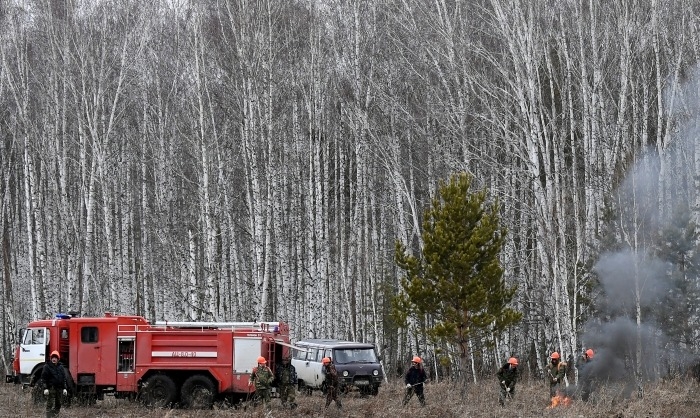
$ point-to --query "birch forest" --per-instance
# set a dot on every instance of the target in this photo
(239, 160)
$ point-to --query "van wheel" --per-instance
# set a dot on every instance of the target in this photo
(304, 389)
(159, 391)
(198, 392)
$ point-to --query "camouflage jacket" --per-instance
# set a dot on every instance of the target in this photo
(286, 374)
(556, 372)
(262, 377)
(331, 375)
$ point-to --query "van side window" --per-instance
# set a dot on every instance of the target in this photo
(311, 355)
(320, 356)
(88, 334)
(299, 354)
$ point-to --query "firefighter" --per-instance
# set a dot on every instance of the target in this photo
(55, 380)
(262, 378)
(415, 378)
(556, 371)
(585, 374)
(507, 375)
(286, 378)
(331, 381)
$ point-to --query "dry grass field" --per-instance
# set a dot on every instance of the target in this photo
(661, 400)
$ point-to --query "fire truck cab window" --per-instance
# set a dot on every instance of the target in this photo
(64, 334)
(88, 334)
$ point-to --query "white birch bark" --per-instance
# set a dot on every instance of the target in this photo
(17, 78)
(193, 301)
(205, 197)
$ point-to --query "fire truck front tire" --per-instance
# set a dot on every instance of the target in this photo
(38, 391)
(159, 391)
(198, 392)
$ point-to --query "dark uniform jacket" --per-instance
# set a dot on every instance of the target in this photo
(508, 375)
(53, 376)
(415, 375)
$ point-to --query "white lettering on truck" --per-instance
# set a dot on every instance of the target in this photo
(208, 354)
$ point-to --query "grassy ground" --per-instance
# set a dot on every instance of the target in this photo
(661, 400)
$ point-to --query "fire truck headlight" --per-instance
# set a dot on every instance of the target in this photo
(345, 373)
(376, 372)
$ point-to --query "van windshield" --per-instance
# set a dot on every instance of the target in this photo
(354, 355)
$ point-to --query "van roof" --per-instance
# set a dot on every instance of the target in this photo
(333, 343)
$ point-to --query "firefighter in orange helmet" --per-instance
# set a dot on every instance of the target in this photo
(262, 378)
(286, 378)
(54, 379)
(507, 376)
(556, 371)
(331, 381)
(414, 379)
(585, 374)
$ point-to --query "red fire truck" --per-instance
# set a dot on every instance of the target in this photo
(191, 364)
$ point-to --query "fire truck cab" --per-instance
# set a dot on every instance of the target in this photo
(190, 364)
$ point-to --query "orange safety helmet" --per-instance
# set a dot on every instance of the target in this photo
(261, 360)
(326, 360)
(555, 356)
(55, 353)
(417, 359)
(513, 361)
(589, 353)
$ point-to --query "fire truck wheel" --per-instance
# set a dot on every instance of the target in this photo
(198, 392)
(38, 391)
(67, 400)
(159, 391)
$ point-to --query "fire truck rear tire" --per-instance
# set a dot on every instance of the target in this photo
(198, 392)
(70, 387)
(159, 391)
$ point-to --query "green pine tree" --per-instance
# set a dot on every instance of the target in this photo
(457, 280)
(676, 310)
